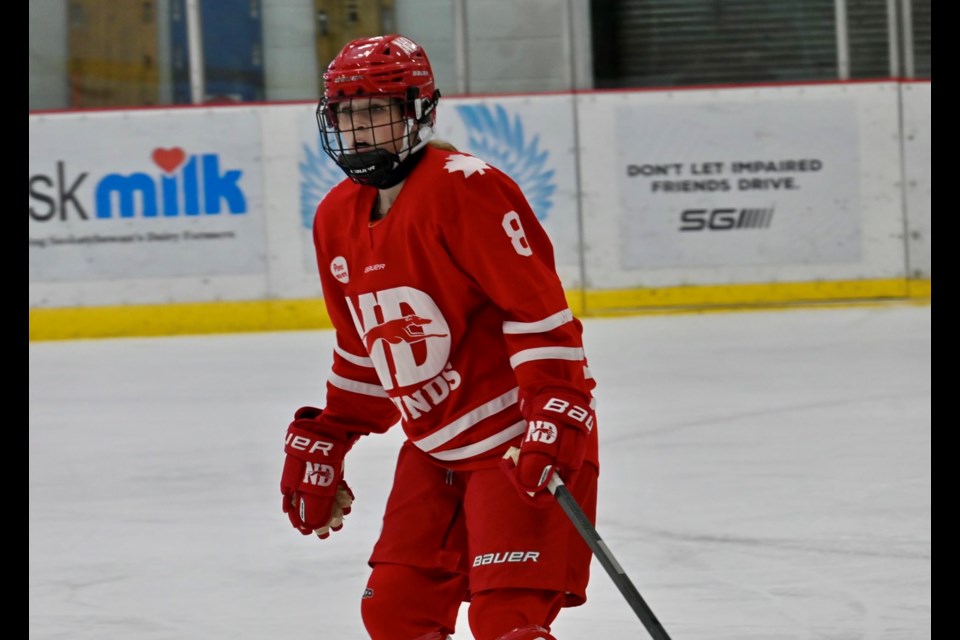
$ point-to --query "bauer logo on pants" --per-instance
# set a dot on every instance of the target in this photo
(506, 556)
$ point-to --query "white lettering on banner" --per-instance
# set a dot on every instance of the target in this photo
(407, 323)
(506, 556)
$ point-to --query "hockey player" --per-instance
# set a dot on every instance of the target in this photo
(450, 320)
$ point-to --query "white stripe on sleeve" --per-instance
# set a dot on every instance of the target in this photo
(355, 386)
(549, 323)
(486, 444)
(546, 353)
(458, 426)
(361, 361)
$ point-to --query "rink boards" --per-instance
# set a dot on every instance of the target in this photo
(197, 219)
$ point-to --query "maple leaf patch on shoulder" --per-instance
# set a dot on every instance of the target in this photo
(468, 164)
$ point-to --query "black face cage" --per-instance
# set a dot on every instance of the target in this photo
(380, 160)
(380, 137)
(412, 108)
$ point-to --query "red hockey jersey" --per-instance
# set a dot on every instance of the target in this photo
(448, 312)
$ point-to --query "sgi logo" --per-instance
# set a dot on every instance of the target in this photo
(725, 219)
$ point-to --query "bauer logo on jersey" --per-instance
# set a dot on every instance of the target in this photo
(318, 474)
(541, 431)
(338, 267)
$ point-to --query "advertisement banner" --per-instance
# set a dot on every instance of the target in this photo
(729, 184)
(151, 194)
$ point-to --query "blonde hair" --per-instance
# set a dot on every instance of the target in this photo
(442, 145)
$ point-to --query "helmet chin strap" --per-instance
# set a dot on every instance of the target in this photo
(424, 134)
(402, 167)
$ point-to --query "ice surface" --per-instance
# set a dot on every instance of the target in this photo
(765, 476)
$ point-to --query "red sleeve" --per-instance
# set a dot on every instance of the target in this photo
(498, 240)
(356, 399)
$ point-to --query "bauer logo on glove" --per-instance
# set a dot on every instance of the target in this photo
(308, 445)
(573, 411)
(556, 439)
(315, 495)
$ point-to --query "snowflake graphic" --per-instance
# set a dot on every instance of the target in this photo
(494, 136)
(319, 174)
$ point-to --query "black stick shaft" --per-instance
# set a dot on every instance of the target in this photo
(589, 533)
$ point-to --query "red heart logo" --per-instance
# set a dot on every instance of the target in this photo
(169, 159)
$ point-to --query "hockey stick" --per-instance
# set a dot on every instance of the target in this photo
(589, 534)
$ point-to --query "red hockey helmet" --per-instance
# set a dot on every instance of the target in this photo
(386, 66)
(390, 66)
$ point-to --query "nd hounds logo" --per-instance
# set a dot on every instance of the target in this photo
(407, 337)
(407, 329)
(541, 431)
(318, 474)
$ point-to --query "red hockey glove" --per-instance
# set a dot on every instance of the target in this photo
(557, 426)
(315, 496)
